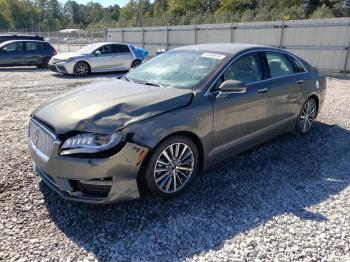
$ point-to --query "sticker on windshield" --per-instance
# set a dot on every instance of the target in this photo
(215, 56)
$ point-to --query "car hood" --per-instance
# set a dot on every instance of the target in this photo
(106, 107)
(63, 56)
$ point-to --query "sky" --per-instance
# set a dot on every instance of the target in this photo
(102, 2)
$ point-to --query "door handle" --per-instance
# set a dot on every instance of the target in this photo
(263, 90)
(299, 82)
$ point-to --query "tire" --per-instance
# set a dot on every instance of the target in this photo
(307, 117)
(136, 63)
(81, 69)
(44, 62)
(160, 174)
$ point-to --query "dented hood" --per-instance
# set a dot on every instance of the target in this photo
(106, 107)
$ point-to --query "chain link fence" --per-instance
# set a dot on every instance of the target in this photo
(65, 40)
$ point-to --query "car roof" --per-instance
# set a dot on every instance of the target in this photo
(21, 40)
(25, 35)
(24, 40)
(109, 43)
(229, 48)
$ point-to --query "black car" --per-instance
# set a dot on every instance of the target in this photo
(8, 37)
(26, 53)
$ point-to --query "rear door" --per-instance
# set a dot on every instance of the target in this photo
(122, 57)
(13, 54)
(240, 117)
(33, 52)
(284, 87)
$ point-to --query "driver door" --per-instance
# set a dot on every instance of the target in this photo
(240, 117)
(103, 61)
(13, 54)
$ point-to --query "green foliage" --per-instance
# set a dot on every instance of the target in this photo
(52, 14)
(322, 12)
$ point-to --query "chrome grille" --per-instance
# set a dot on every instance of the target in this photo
(40, 137)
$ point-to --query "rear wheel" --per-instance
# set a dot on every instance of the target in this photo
(81, 69)
(44, 62)
(307, 117)
(172, 167)
(136, 63)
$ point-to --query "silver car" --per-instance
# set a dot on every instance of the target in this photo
(98, 57)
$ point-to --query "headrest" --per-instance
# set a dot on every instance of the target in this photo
(245, 64)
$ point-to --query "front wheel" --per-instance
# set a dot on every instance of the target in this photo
(307, 117)
(81, 69)
(172, 166)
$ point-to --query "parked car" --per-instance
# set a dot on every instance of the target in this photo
(8, 37)
(26, 53)
(170, 118)
(98, 57)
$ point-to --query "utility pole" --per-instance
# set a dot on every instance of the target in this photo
(140, 14)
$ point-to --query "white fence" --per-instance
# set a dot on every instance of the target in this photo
(325, 43)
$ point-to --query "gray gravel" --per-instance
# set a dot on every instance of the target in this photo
(284, 201)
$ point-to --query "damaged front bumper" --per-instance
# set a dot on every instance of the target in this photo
(92, 180)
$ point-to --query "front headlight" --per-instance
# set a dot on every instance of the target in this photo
(90, 143)
(66, 60)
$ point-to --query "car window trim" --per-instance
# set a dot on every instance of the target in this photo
(209, 92)
(294, 61)
(131, 50)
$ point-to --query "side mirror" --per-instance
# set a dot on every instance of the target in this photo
(97, 53)
(232, 87)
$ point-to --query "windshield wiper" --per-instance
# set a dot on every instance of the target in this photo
(127, 79)
(153, 84)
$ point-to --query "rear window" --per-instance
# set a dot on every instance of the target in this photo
(296, 65)
(33, 46)
(121, 49)
(279, 65)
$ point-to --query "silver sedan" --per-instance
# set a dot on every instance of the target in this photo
(98, 57)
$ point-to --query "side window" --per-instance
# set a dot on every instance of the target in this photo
(279, 64)
(32, 46)
(14, 47)
(296, 65)
(106, 49)
(246, 69)
(120, 49)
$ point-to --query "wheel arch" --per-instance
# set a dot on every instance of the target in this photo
(317, 100)
(191, 135)
(85, 61)
(135, 59)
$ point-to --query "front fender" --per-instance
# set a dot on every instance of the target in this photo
(196, 118)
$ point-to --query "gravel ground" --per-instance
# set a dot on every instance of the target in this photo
(287, 200)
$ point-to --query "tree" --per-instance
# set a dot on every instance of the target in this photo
(322, 12)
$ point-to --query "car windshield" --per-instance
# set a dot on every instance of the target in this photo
(89, 48)
(181, 70)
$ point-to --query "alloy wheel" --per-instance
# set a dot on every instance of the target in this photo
(307, 116)
(174, 168)
(82, 69)
(136, 63)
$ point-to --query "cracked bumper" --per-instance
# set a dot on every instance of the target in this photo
(81, 179)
